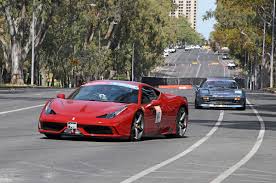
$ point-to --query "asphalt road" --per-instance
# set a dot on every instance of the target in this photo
(220, 146)
(194, 63)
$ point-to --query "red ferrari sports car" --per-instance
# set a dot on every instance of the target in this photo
(114, 109)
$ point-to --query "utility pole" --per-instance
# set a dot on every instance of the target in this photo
(132, 62)
(33, 44)
(272, 48)
(263, 56)
(99, 41)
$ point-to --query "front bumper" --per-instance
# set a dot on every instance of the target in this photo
(221, 102)
(220, 106)
(103, 130)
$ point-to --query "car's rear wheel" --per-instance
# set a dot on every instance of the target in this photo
(181, 122)
(137, 128)
(52, 136)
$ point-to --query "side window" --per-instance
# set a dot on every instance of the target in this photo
(149, 94)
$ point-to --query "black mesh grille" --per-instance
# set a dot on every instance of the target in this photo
(52, 126)
(216, 100)
(222, 99)
(92, 129)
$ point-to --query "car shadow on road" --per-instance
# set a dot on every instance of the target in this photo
(217, 109)
(267, 107)
(85, 139)
(239, 124)
(93, 139)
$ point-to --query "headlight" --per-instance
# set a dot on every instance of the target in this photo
(113, 114)
(48, 109)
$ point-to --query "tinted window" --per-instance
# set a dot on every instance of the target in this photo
(106, 93)
(220, 84)
(149, 94)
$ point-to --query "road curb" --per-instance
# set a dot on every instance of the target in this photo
(26, 87)
(180, 87)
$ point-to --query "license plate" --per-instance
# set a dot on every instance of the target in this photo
(72, 125)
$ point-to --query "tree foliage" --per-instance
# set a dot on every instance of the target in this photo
(89, 39)
(240, 26)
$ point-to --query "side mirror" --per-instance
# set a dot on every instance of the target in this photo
(61, 95)
(153, 103)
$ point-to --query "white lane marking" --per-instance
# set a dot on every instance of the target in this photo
(197, 73)
(9, 175)
(178, 156)
(21, 109)
(177, 57)
(247, 157)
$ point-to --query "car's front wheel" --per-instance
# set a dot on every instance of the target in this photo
(196, 105)
(181, 122)
(137, 128)
(243, 107)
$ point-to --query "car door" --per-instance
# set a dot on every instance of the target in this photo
(152, 115)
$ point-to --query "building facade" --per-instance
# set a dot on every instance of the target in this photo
(186, 8)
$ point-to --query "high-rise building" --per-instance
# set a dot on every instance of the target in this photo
(186, 8)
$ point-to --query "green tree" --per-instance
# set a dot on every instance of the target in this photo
(18, 17)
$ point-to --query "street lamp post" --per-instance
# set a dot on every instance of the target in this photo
(263, 56)
(132, 62)
(272, 48)
(33, 45)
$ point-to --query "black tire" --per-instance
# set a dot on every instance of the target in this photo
(243, 108)
(52, 136)
(196, 105)
(180, 128)
(137, 127)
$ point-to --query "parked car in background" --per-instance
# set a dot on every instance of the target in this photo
(165, 54)
(231, 65)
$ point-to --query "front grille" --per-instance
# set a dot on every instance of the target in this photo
(221, 99)
(93, 129)
(52, 126)
(216, 100)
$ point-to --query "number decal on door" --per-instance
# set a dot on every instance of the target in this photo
(158, 114)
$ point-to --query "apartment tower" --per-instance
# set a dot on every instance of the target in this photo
(186, 8)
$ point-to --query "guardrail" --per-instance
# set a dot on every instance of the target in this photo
(159, 81)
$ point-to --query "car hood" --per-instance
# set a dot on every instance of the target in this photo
(224, 92)
(79, 107)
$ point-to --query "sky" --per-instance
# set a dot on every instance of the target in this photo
(205, 27)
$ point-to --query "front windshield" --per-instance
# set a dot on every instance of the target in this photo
(220, 84)
(106, 93)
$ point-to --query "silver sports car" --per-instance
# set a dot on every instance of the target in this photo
(220, 93)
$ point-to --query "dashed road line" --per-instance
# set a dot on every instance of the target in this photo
(199, 67)
(197, 73)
